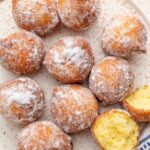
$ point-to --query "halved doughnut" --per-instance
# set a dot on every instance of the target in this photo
(138, 104)
(116, 130)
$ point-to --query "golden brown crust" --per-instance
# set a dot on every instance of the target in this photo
(69, 60)
(43, 135)
(38, 16)
(77, 15)
(138, 114)
(73, 108)
(102, 115)
(22, 52)
(123, 36)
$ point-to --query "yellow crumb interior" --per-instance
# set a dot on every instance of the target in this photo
(116, 131)
(140, 99)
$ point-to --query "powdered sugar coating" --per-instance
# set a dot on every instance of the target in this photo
(70, 60)
(124, 35)
(73, 107)
(22, 52)
(111, 80)
(21, 100)
(39, 16)
(43, 135)
(77, 14)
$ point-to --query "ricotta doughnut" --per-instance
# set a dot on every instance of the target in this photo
(22, 52)
(138, 104)
(111, 80)
(22, 101)
(69, 60)
(39, 16)
(77, 14)
(43, 135)
(116, 130)
(123, 36)
(73, 108)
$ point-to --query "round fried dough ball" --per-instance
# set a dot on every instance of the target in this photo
(43, 135)
(21, 100)
(111, 80)
(22, 52)
(77, 14)
(39, 16)
(70, 60)
(124, 35)
(73, 107)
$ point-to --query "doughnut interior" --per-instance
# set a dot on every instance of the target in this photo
(116, 130)
(140, 99)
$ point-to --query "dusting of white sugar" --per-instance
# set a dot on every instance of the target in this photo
(39, 16)
(68, 58)
(21, 97)
(22, 100)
